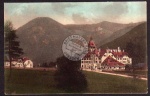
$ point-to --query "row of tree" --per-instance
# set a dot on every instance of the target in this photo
(11, 45)
(51, 64)
(136, 52)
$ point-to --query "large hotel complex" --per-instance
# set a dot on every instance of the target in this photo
(104, 58)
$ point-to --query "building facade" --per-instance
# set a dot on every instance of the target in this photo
(20, 63)
(104, 58)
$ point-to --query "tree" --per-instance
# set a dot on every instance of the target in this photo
(69, 76)
(12, 49)
(52, 64)
(135, 52)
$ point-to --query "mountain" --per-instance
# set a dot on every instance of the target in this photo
(100, 31)
(109, 26)
(118, 33)
(137, 38)
(42, 38)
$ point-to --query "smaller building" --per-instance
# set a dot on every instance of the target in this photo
(111, 63)
(20, 63)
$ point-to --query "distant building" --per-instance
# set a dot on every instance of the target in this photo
(104, 58)
(20, 62)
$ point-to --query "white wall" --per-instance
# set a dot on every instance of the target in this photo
(27, 63)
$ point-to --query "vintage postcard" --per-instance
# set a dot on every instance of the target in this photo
(75, 47)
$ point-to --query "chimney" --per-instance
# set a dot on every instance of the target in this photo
(99, 49)
(118, 49)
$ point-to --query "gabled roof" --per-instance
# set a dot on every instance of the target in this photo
(112, 62)
(119, 54)
(102, 52)
(96, 52)
(23, 59)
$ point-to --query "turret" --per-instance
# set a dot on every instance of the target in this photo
(91, 45)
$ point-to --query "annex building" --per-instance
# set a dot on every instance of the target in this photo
(20, 63)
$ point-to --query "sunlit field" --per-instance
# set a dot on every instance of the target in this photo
(24, 81)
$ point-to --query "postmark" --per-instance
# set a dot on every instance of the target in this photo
(75, 47)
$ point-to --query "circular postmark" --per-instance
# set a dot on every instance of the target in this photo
(75, 47)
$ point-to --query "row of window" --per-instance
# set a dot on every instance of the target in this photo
(122, 58)
(108, 55)
(90, 59)
(111, 67)
(90, 62)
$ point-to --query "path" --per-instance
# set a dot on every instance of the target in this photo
(115, 74)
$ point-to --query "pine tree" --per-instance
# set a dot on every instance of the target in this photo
(12, 49)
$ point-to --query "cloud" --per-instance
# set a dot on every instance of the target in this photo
(79, 19)
(79, 13)
(21, 13)
(61, 7)
(143, 8)
(115, 10)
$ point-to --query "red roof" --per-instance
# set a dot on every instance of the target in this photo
(91, 43)
(23, 59)
(112, 62)
(102, 52)
(96, 52)
(119, 54)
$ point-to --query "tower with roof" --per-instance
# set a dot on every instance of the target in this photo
(91, 45)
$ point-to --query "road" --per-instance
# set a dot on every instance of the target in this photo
(115, 74)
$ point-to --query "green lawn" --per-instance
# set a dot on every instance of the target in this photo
(35, 81)
(102, 83)
(142, 73)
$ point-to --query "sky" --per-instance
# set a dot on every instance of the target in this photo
(76, 12)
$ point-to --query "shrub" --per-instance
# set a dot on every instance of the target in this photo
(69, 76)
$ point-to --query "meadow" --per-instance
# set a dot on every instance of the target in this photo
(25, 81)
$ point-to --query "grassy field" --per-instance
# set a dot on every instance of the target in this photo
(38, 81)
(142, 73)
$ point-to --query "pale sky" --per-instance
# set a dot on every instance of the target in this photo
(76, 13)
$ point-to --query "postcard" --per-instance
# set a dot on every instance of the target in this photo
(75, 48)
